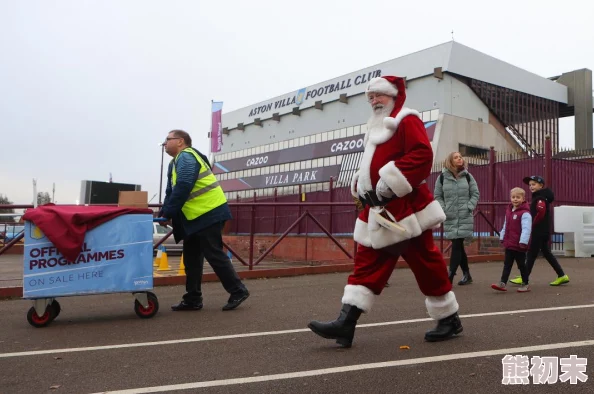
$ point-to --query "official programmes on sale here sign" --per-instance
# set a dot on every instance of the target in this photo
(117, 256)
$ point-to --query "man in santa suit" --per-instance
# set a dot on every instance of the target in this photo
(398, 217)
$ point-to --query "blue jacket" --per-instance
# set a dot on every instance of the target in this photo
(188, 169)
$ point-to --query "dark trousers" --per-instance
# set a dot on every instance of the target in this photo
(208, 244)
(540, 243)
(458, 256)
(508, 263)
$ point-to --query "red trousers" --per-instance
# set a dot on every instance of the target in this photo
(374, 267)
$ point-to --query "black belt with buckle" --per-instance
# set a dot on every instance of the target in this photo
(371, 199)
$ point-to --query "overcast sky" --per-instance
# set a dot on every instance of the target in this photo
(91, 87)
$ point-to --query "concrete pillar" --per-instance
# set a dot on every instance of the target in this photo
(579, 96)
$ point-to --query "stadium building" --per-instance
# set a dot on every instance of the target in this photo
(468, 101)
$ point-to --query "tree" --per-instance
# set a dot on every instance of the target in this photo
(5, 201)
(43, 198)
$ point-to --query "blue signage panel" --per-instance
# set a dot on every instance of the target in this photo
(117, 256)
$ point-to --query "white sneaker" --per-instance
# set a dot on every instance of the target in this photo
(524, 289)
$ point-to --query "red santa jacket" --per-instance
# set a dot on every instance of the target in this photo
(402, 156)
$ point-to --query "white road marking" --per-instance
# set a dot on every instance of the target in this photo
(268, 333)
(351, 368)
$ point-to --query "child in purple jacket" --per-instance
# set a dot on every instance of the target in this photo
(515, 237)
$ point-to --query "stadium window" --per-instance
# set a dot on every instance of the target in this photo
(275, 146)
(292, 167)
(363, 128)
(318, 138)
(307, 164)
(307, 140)
(324, 137)
(333, 161)
(258, 150)
(357, 130)
(326, 161)
(291, 143)
(472, 151)
(434, 114)
(301, 141)
(338, 159)
(297, 166)
(426, 116)
(350, 132)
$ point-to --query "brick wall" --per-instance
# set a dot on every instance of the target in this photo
(293, 248)
(323, 249)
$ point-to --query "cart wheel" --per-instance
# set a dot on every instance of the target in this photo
(153, 307)
(40, 321)
(55, 307)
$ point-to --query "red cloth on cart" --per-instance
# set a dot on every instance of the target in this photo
(66, 226)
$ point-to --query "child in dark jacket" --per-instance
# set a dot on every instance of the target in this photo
(541, 232)
(515, 236)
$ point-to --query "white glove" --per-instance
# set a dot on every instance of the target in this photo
(383, 190)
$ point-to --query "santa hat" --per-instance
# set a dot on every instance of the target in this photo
(391, 86)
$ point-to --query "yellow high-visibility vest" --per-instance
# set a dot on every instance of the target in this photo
(206, 194)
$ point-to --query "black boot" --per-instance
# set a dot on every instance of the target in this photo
(446, 328)
(341, 329)
(466, 279)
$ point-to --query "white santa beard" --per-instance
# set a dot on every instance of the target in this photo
(376, 120)
(375, 124)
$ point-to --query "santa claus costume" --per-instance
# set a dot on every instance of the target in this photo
(397, 220)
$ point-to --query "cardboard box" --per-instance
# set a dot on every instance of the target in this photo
(133, 199)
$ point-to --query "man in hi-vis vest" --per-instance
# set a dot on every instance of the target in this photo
(197, 207)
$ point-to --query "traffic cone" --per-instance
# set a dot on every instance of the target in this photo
(158, 257)
(164, 265)
(182, 267)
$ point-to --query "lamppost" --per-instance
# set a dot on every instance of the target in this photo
(161, 175)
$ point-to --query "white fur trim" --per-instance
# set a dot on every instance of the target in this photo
(395, 179)
(441, 306)
(377, 137)
(359, 296)
(381, 85)
(361, 233)
(364, 175)
(354, 184)
(431, 216)
(381, 237)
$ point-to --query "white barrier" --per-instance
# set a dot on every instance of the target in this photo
(577, 226)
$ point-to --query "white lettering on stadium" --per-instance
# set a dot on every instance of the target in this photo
(298, 177)
(346, 145)
(255, 161)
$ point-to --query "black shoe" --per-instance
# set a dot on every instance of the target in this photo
(446, 329)
(185, 306)
(342, 329)
(466, 279)
(236, 300)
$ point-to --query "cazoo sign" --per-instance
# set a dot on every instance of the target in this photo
(291, 155)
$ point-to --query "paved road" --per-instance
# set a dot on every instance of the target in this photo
(98, 344)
